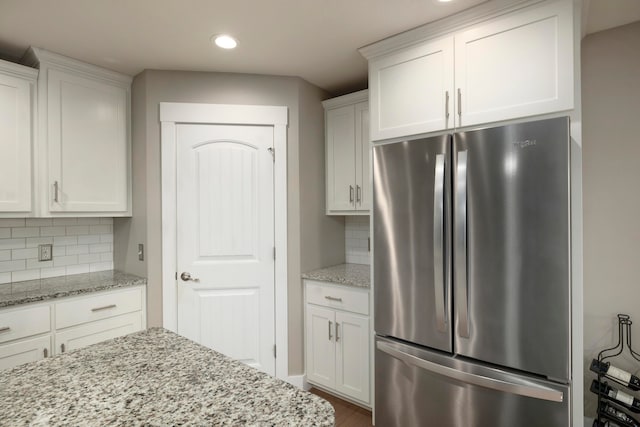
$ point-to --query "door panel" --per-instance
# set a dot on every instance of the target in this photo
(226, 240)
(25, 351)
(352, 355)
(513, 270)
(363, 178)
(341, 158)
(411, 240)
(460, 393)
(320, 343)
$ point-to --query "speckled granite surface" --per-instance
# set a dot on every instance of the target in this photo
(358, 275)
(156, 378)
(57, 287)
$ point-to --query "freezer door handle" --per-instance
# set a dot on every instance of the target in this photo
(532, 390)
(438, 243)
(460, 278)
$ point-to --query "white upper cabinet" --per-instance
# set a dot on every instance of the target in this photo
(412, 90)
(517, 64)
(347, 154)
(17, 87)
(84, 140)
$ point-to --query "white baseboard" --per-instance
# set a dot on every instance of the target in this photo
(299, 381)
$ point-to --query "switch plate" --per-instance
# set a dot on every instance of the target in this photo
(140, 252)
(45, 252)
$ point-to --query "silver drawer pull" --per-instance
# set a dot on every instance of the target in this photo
(333, 298)
(5, 329)
(106, 307)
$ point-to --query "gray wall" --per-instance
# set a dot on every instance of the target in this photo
(305, 160)
(611, 156)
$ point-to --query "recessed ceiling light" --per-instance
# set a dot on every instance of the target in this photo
(224, 41)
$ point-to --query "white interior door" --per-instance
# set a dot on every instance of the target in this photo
(225, 240)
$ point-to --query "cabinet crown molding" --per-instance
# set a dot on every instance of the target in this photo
(447, 25)
(18, 70)
(39, 58)
(348, 99)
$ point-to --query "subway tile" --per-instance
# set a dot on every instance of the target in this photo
(76, 230)
(100, 229)
(106, 238)
(65, 221)
(77, 249)
(5, 278)
(5, 233)
(24, 253)
(89, 221)
(53, 272)
(65, 240)
(106, 256)
(6, 266)
(102, 247)
(106, 220)
(87, 240)
(12, 243)
(59, 250)
(5, 255)
(21, 276)
(12, 222)
(63, 261)
(53, 231)
(88, 258)
(34, 263)
(39, 222)
(33, 242)
(78, 269)
(101, 266)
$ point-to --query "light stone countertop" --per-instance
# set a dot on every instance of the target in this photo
(152, 378)
(16, 293)
(357, 275)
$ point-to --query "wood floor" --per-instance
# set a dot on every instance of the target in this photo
(347, 414)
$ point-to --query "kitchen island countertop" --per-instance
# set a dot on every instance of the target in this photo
(357, 275)
(29, 291)
(153, 377)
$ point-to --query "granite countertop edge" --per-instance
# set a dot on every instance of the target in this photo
(31, 291)
(353, 275)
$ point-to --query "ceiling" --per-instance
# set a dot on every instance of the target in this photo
(314, 39)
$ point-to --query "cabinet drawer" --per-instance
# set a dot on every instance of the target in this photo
(21, 323)
(353, 300)
(89, 309)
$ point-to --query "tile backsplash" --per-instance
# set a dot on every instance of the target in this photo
(356, 232)
(80, 245)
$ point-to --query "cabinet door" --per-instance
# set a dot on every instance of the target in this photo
(341, 159)
(517, 66)
(352, 355)
(88, 144)
(410, 90)
(24, 351)
(95, 332)
(320, 346)
(363, 180)
(15, 145)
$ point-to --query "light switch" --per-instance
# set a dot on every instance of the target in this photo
(140, 252)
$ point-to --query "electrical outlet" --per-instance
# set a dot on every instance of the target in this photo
(45, 252)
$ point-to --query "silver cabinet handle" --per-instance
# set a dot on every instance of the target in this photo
(337, 326)
(330, 322)
(529, 390)
(358, 194)
(459, 106)
(186, 276)
(333, 298)
(55, 191)
(46, 353)
(461, 279)
(62, 348)
(351, 194)
(446, 106)
(5, 329)
(438, 244)
(106, 307)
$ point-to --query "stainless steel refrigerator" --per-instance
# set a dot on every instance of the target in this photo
(472, 286)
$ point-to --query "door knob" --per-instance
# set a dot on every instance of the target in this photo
(187, 276)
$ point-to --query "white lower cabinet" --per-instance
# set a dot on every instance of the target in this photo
(27, 332)
(337, 340)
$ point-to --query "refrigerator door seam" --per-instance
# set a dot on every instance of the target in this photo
(461, 279)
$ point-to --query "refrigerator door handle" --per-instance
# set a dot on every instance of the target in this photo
(532, 390)
(461, 278)
(438, 244)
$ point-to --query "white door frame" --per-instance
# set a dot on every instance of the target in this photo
(172, 113)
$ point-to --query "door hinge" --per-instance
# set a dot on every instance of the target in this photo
(176, 275)
(274, 351)
(273, 152)
(274, 252)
